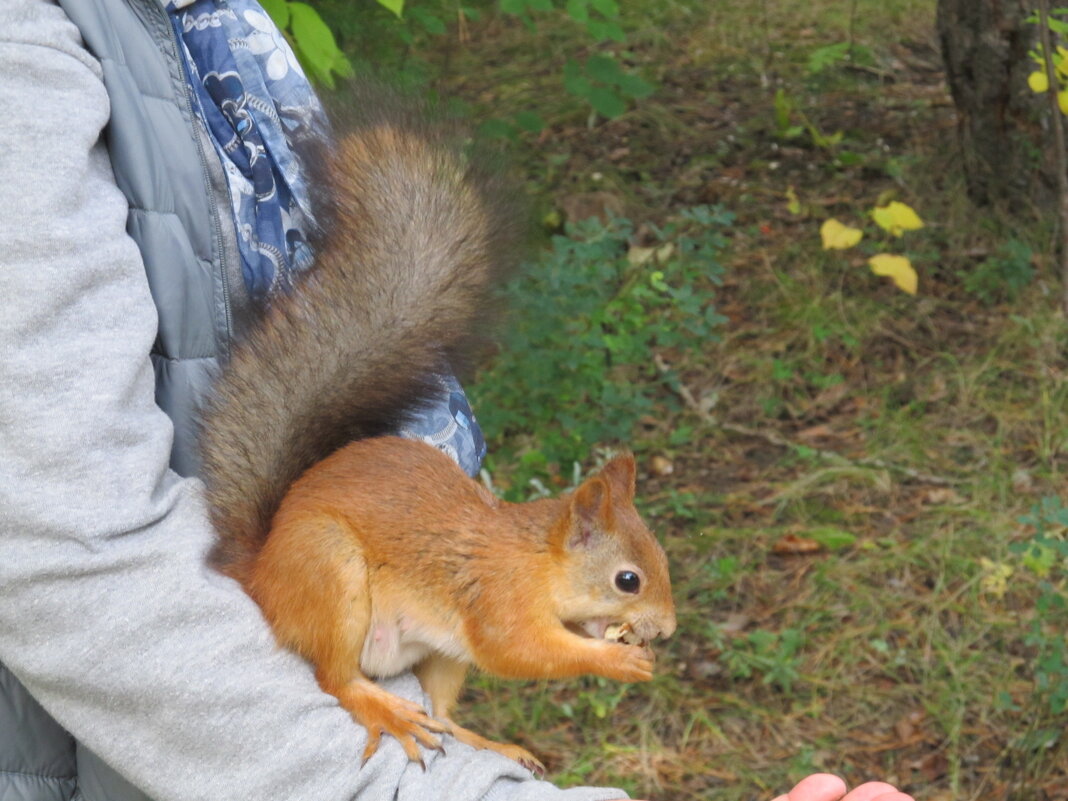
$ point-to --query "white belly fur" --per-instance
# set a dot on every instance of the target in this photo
(395, 645)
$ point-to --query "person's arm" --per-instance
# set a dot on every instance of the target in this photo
(108, 613)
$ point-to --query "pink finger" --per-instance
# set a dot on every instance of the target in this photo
(873, 791)
(817, 787)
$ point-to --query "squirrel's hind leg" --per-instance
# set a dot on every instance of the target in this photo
(442, 678)
(311, 580)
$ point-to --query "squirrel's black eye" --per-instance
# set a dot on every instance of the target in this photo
(628, 581)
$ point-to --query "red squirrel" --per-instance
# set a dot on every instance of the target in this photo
(372, 554)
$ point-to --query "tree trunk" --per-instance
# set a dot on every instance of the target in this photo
(1006, 154)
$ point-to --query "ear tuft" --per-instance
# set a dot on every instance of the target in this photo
(590, 511)
(620, 474)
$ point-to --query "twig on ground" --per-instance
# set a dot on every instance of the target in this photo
(777, 439)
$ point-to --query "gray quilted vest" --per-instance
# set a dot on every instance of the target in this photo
(179, 207)
(179, 217)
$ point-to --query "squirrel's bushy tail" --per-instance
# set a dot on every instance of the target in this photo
(414, 236)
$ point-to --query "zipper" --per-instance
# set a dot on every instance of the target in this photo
(162, 18)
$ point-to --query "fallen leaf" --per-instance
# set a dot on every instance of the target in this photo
(820, 431)
(832, 538)
(942, 496)
(638, 256)
(1022, 481)
(995, 578)
(907, 725)
(793, 204)
(662, 466)
(936, 390)
(831, 396)
(898, 268)
(735, 622)
(583, 205)
(836, 236)
(896, 217)
(931, 766)
(793, 545)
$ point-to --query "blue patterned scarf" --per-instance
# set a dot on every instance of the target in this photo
(252, 93)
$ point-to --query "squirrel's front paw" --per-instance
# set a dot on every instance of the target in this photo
(628, 662)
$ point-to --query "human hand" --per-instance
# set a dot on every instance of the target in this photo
(825, 787)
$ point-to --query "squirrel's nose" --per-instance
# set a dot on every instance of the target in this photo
(652, 628)
(667, 625)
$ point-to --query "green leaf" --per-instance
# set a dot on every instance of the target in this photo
(606, 102)
(497, 129)
(604, 30)
(823, 57)
(529, 121)
(635, 86)
(603, 69)
(784, 108)
(431, 23)
(832, 539)
(514, 7)
(575, 82)
(396, 6)
(1040, 559)
(608, 8)
(578, 10)
(314, 41)
(342, 66)
(278, 11)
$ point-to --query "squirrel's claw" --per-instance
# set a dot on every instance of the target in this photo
(534, 766)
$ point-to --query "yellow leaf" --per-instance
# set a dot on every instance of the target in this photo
(793, 205)
(837, 236)
(995, 577)
(1038, 82)
(898, 269)
(896, 217)
(663, 253)
(1062, 101)
(639, 256)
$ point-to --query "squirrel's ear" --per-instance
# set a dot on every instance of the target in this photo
(620, 475)
(590, 512)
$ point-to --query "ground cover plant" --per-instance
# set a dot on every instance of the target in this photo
(861, 490)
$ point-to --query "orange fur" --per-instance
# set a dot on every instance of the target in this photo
(386, 556)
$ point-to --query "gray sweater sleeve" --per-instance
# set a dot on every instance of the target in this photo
(108, 614)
